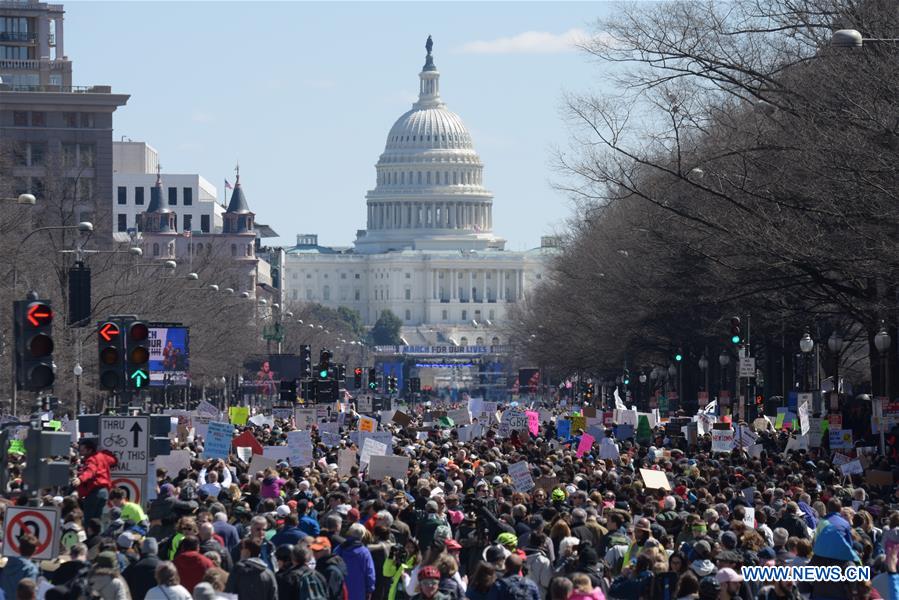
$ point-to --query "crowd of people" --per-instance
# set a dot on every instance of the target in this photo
(458, 525)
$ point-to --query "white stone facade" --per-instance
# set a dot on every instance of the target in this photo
(429, 253)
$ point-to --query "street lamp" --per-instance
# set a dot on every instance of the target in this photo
(882, 342)
(806, 344)
(852, 38)
(704, 367)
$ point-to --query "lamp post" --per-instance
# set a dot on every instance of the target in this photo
(882, 342)
(835, 345)
(806, 345)
(723, 361)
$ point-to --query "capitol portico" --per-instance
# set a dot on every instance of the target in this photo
(428, 252)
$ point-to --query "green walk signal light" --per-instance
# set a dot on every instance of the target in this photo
(736, 332)
(373, 379)
(678, 357)
(324, 364)
(138, 357)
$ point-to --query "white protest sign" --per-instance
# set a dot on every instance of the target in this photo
(346, 460)
(279, 453)
(722, 440)
(476, 406)
(381, 467)
(470, 432)
(803, 417)
(840, 459)
(512, 420)
(262, 420)
(300, 444)
(608, 450)
(521, 476)
(852, 467)
(282, 413)
(174, 461)
(755, 451)
(304, 417)
(655, 480)
(329, 433)
(207, 408)
(370, 448)
(459, 417)
(749, 517)
(244, 453)
(260, 463)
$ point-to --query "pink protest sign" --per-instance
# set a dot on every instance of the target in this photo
(533, 422)
(585, 444)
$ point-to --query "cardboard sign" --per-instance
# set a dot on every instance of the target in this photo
(401, 418)
(248, 440)
(563, 429)
(460, 417)
(655, 480)
(304, 417)
(370, 448)
(879, 478)
(533, 422)
(244, 453)
(512, 420)
(804, 424)
(470, 432)
(367, 424)
(218, 440)
(382, 467)
(329, 434)
(521, 476)
(608, 450)
(578, 422)
(279, 453)
(749, 517)
(299, 444)
(852, 467)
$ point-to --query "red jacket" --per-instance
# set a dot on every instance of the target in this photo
(191, 567)
(94, 473)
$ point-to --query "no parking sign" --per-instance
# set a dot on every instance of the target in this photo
(43, 523)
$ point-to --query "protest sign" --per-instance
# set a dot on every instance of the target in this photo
(247, 439)
(174, 461)
(852, 467)
(755, 451)
(207, 408)
(476, 406)
(533, 422)
(300, 444)
(655, 480)
(803, 418)
(470, 432)
(370, 448)
(563, 429)
(329, 434)
(840, 459)
(262, 421)
(282, 413)
(244, 453)
(304, 417)
(840, 439)
(259, 463)
(749, 516)
(585, 444)
(608, 450)
(521, 476)
(460, 416)
(218, 440)
(367, 424)
(239, 415)
(381, 467)
(879, 478)
(512, 420)
(578, 422)
(279, 453)
(624, 432)
(722, 439)
(401, 418)
(346, 460)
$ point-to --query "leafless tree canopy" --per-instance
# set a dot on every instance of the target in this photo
(741, 165)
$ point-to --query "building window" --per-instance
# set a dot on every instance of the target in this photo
(308, 294)
(173, 196)
(463, 341)
(408, 294)
(87, 120)
(87, 155)
(188, 221)
(123, 194)
(123, 222)
(293, 294)
(139, 196)
(357, 295)
(20, 118)
(249, 249)
(38, 119)
(408, 315)
(326, 293)
(308, 275)
(408, 275)
(155, 249)
(356, 276)
(37, 154)
(491, 317)
(445, 315)
(188, 195)
(233, 249)
(343, 275)
(464, 317)
(204, 223)
(70, 119)
(495, 341)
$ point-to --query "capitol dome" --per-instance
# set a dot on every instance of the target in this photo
(429, 190)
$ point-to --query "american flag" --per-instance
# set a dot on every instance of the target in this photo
(228, 186)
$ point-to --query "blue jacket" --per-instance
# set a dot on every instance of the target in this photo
(360, 568)
(309, 526)
(16, 569)
(227, 532)
(842, 525)
(287, 535)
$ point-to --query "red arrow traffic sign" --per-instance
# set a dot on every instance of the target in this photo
(38, 314)
(109, 331)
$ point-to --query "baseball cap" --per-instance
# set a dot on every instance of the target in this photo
(452, 544)
(728, 575)
(283, 510)
(125, 540)
(319, 544)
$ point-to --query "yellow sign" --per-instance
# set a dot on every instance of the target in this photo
(578, 422)
(239, 415)
(366, 424)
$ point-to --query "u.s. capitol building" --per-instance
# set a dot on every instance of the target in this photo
(428, 252)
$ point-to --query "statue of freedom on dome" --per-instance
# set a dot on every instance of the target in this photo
(429, 44)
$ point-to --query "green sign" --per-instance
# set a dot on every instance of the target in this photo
(17, 446)
(55, 425)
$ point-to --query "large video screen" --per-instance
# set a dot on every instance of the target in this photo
(169, 356)
(265, 373)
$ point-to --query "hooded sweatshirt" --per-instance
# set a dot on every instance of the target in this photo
(271, 487)
(360, 567)
(94, 473)
(540, 569)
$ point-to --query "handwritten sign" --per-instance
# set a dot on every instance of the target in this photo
(346, 460)
(367, 424)
(521, 476)
(239, 415)
(382, 467)
(563, 429)
(512, 420)
(585, 444)
(370, 448)
(533, 422)
(218, 440)
(840, 439)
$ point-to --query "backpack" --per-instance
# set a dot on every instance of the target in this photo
(313, 585)
(517, 588)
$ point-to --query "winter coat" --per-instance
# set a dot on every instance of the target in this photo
(596, 594)
(251, 578)
(287, 535)
(191, 567)
(271, 487)
(141, 576)
(108, 587)
(334, 570)
(228, 533)
(540, 569)
(16, 569)
(360, 580)
(289, 583)
(168, 592)
(94, 472)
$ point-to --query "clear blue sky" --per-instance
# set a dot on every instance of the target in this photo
(303, 95)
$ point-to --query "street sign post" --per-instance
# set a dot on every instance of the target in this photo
(128, 438)
(747, 366)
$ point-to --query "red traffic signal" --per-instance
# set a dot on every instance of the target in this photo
(38, 314)
(108, 331)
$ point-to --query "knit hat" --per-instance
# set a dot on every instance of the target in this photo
(204, 591)
(106, 560)
(125, 541)
(150, 547)
(728, 576)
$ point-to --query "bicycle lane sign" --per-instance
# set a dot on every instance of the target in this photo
(128, 439)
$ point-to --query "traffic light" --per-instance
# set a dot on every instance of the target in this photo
(305, 361)
(678, 356)
(324, 364)
(341, 372)
(40, 470)
(357, 378)
(415, 385)
(138, 359)
(736, 332)
(373, 379)
(34, 344)
(588, 392)
(391, 384)
(111, 351)
(79, 294)
(626, 378)
(288, 392)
